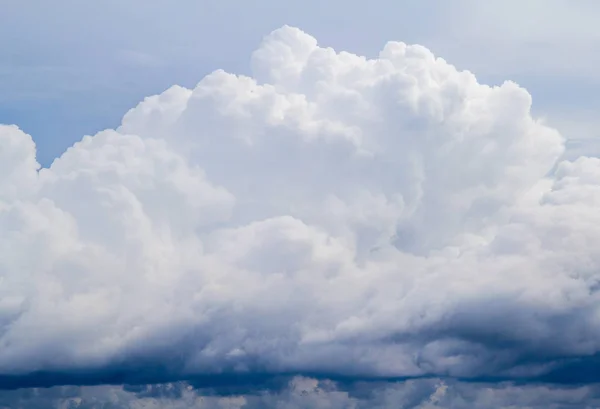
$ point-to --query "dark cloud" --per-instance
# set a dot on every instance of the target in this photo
(307, 393)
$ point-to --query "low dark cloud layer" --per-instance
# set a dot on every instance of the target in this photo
(304, 393)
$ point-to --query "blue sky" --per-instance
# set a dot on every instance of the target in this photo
(231, 214)
(73, 68)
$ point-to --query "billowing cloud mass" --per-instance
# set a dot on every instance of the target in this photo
(331, 216)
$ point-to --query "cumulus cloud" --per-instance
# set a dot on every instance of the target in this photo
(331, 216)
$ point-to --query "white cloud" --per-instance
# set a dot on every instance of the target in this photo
(331, 214)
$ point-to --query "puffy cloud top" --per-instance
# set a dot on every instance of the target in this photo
(331, 215)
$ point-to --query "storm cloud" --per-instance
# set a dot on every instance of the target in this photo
(331, 216)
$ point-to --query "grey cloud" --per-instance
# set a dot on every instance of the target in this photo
(302, 392)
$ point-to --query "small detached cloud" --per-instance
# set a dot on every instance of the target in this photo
(331, 216)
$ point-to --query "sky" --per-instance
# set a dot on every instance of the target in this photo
(74, 68)
(299, 205)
